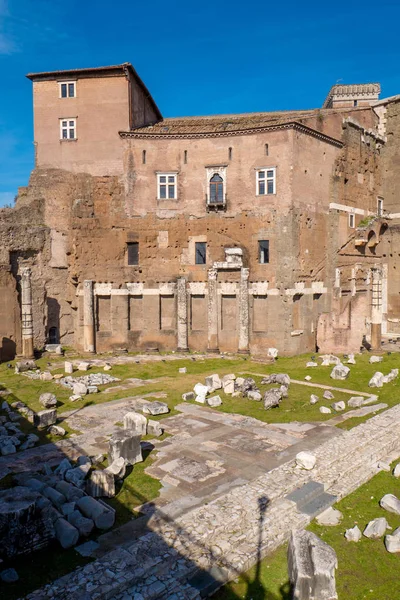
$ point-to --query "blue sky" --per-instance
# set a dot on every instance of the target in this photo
(195, 58)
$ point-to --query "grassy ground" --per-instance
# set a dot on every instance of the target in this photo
(169, 381)
(269, 579)
(366, 569)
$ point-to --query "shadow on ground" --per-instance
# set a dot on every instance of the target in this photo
(43, 566)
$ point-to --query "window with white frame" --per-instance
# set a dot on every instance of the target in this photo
(352, 220)
(68, 129)
(166, 186)
(67, 89)
(380, 207)
(266, 181)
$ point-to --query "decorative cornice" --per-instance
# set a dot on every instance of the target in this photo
(217, 134)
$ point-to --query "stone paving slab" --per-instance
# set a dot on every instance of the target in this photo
(233, 530)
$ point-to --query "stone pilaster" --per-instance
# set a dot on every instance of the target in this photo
(213, 310)
(376, 308)
(26, 313)
(182, 315)
(88, 316)
(244, 312)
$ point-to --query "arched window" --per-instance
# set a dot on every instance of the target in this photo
(216, 188)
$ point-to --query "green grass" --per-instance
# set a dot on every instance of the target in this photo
(365, 569)
(137, 488)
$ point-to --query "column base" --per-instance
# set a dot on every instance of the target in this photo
(183, 350)
(243, 352)
(213, 350)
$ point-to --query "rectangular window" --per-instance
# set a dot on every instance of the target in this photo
(201, 253)
(263, 251)
(67, 89)
(166, 186)
(352, 220)
(266, 181)
(133, 253)
(68, 129)
(380, 207)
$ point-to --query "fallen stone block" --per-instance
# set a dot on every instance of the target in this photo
(154, 428)
(353, 534)
(228, 377)
(77, 475)
(182, 370)
(46, 376)
(285, 391)
(135, 422)
(214, 401)
(351, 360)
(394, 373)
(308, 378)
(67, 508)
(69, 491)
(200, 399)
(339, 406)
(228, 387)
(25, 365)
(253, 395)
(376, 380)
(330, 517)
(48, 400)
(83, 366)
(200, 390)
(9, 575)
(328, 395)
(75, 398)
(213, 382)
(325, 410)
(396, 470)
(66, 534)
(375, 359)
(117, 468)
(311, 566)
(57, 430)
(313, 399)
(355, 402)
(272, 352)
(91, 508)
(392, 543)
(79, 389)
(68, 367)
(272, 398)
(340, 372)
(56, 498)
(376, 528)
(7, 447)
(156, 408)
(101, 484)
(188, 396)
(107, 367)
(45, 418)
(390, 503)
(125, 444)
(83, 524)
(306, 460)
(311, 363)
(63, 467)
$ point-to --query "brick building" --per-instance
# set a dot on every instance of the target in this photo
(228, 232)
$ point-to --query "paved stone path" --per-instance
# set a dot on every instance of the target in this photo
(213, 543)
